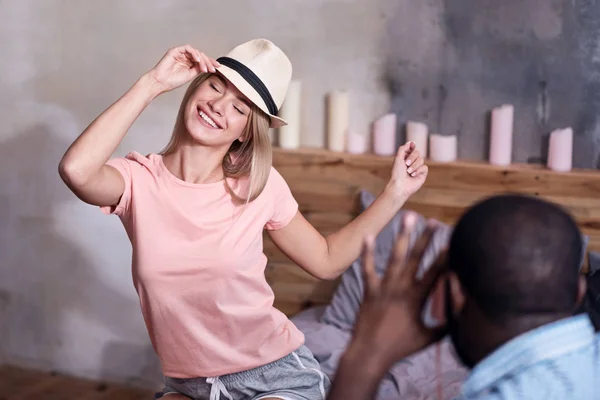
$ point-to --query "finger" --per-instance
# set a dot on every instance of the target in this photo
(369, 274)
(190, 56)
(438, 299)
(202, 63)
(434, 272)
(191, 52)
(194, 55)
(399, 253)
(411, 157)
(185, 57)
(214, 62)
(422, 170)
(197, 69)
(416, 255)
(405, 149)
(415, 165)
(207, 63)
(437, 293)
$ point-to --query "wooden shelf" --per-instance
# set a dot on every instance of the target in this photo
(370, 158)
(327, 186)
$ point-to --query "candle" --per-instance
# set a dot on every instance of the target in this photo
(442, 148)
(501, 135)
(417, 132)
(357, 143)
(289, 135)
(560, 150)
(384, 135)
(338, 120)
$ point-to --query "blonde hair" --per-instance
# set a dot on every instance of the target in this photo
(250, 159)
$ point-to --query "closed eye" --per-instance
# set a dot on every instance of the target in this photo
(212, 85)
(239, 110)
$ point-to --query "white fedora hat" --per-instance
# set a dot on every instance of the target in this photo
(262, 72)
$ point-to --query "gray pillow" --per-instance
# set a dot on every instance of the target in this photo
(346, 301)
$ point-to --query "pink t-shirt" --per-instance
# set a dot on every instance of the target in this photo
(198, 268)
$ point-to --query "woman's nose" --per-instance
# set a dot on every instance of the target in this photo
(217, 105)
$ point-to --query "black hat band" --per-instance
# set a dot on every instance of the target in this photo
(252, 79)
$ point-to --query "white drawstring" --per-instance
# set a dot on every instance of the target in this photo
(320, 373)
(217, 388)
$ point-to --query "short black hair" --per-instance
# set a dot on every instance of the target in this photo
(517, 255)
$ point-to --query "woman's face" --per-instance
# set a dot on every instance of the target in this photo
(217, 113)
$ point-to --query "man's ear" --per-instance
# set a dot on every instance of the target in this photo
(582, 289)
(456, 293)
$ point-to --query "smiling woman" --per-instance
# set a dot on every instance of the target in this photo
(195, 214)
(218, 115)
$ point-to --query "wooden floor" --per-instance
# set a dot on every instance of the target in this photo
(21, 384)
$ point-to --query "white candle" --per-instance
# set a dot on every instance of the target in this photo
(501, 134)
(442, 148)
(337, 120)
(384, 135)
(560, 150)
(357, 143)
(289, 135)
(417, 132)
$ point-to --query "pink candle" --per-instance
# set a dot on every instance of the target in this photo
(560, 150)
(417, 132)
(442, 148)
(357, 143)
(501, 135)
(384, 135)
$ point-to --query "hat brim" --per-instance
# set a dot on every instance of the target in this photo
(247, 90)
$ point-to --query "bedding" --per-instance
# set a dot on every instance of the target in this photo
(327, 329)
(414, 378)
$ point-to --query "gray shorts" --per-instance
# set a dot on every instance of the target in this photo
(296, 376)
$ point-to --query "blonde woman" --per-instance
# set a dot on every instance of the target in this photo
(195, 215)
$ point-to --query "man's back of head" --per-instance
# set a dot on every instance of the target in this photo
(518, 256)
(517, 259)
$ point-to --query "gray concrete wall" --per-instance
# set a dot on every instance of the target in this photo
(452, 61)
(66, 298)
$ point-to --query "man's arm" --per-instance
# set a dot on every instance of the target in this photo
(389, 326)
(358, 376)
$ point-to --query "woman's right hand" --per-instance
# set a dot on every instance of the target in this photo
(179, 66)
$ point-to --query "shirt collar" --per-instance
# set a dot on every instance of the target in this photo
(546, 342)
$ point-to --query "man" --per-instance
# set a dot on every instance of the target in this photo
(512, 285)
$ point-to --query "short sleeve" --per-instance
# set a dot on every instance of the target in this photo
(124, 167)
(284, 205)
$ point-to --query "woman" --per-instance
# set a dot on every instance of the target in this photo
(195, 215)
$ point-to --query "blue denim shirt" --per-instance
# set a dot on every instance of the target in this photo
(559, 361)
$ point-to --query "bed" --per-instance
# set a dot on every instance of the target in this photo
(332, 188)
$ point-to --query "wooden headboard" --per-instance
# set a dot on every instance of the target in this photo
(327, 187)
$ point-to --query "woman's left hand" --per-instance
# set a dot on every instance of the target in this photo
(408, 173)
